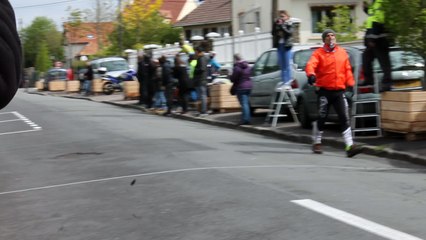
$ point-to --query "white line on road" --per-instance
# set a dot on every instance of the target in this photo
(354, 220)
(25, 131)
(12, 120)
(195, 169)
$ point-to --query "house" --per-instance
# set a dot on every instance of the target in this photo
(209, 16)
(85, 39)
(173, 11)
(249, 14)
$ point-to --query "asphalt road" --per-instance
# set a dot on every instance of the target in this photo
(73, 169)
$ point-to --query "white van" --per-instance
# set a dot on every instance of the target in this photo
(114, 66)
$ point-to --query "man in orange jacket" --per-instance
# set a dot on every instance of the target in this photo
(331, 72)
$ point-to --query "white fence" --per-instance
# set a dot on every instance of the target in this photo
(250, 46)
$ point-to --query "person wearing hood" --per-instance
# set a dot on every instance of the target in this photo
(10, 50)
(241, 79)
(329, 69)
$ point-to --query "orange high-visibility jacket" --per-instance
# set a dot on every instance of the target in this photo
(332, 69)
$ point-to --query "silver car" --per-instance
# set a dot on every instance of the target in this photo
(407, 70)
(266, 74)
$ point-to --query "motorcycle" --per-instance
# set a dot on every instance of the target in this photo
(112, 84)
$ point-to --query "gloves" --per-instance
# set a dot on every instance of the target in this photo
(312, 79)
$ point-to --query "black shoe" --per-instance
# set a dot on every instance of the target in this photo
(353, 150)
(244, 123)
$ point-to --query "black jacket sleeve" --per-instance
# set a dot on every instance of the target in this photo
(11, 55)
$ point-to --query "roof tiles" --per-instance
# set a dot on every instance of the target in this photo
(209, 12)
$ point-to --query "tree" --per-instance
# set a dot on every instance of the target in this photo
(341, 23)
(143, 24)
(136, 14)
(406, 21)
(41, 29)
(43, 62)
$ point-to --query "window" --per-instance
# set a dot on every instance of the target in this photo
(223, 30)
(320, 13)
(272, 63)
(249, 20)
(260, 64)
(301, 58)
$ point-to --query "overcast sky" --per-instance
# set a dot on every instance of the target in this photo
(27, 10)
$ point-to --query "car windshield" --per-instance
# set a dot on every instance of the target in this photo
(301, 58)
(57, 74)
(403, 60)
(115, 65)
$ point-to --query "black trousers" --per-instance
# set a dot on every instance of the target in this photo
(377, 48)
(337, 99)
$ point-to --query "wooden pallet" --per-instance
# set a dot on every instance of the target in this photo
(73, 86)
(57, 85)
(221, 100)
(404, 113)
(409, 136)
(226, 110)
(131, 90)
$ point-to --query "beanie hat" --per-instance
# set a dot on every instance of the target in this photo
(326, 32)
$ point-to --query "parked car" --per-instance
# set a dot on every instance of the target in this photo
(115, 66)
(407, 74)
(266, 75)
(407, 70)
(55, 74)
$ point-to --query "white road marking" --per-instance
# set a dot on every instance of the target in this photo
(195, 169)
(354, 220)
(12, 120)
(24, 131)
(34, 126)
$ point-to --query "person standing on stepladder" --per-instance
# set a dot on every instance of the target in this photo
(331, 72)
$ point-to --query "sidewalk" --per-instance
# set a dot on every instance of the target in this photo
(391, 146)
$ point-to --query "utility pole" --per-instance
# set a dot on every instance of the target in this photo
(274, 10)
(120, 28)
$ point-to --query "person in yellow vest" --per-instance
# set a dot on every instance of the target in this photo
(186, 48)
(377, 45)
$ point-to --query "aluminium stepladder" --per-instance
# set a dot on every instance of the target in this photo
(361, 101)
(283, 95)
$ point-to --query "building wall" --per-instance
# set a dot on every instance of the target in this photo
(240, 7)
(300, 9)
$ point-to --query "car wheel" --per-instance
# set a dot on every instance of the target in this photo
(304, 119)
(108, 89)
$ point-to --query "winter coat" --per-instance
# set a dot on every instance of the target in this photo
(166, 74)
(10, 52)
(200, 72)
(180, 72)
(88, 75)
(332, 69)
(241, 76)
(282, 31)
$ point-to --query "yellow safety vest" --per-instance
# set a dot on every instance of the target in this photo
(375, 13)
